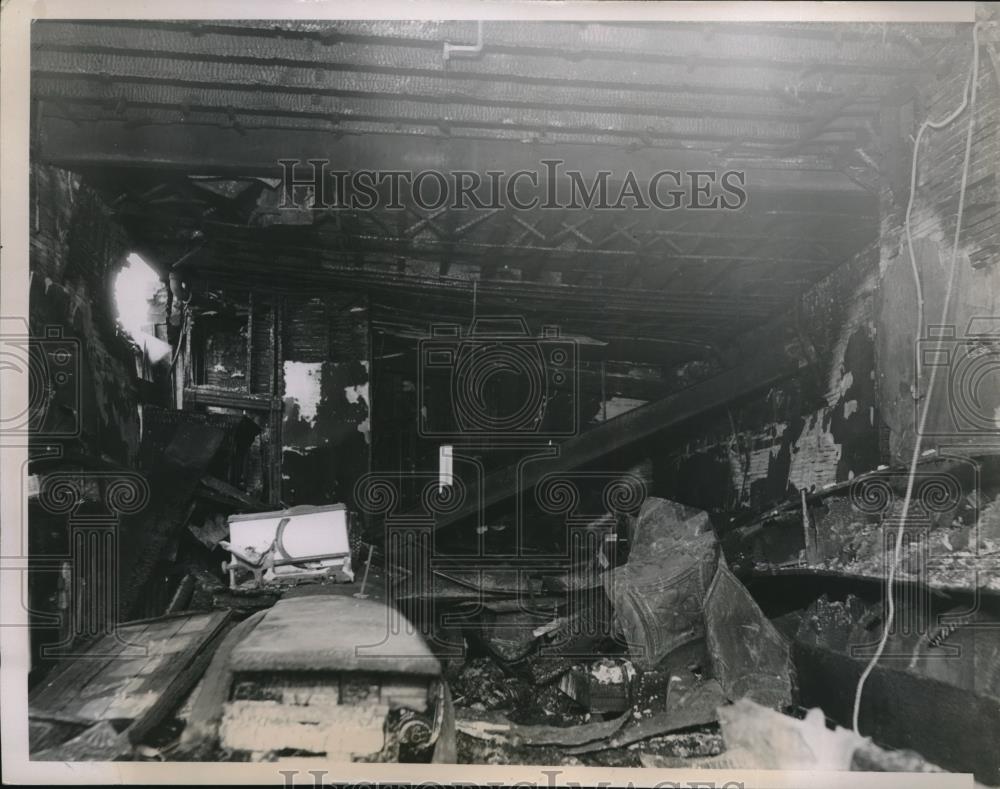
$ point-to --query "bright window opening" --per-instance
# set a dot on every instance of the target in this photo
(136, 288)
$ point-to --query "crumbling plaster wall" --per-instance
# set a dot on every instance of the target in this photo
(816, 428)
(952, 417)
(76, 246)
(857, 409)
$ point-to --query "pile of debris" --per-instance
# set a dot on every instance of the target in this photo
(601, 661)
(661, 659)
(651, 652)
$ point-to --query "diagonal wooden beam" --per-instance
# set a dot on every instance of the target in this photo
(628, 430)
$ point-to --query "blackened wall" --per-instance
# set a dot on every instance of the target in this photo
(815, 428)
(857, 407)
(77, 246)
(84, 376)
(326, 424)
(954, 419)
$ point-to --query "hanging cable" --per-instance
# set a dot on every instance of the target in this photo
(928, 124)
(969, 100)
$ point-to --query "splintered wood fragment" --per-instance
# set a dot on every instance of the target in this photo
(495, 726)
(482, 730)
(810, 552)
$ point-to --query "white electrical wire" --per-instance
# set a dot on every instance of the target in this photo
(969, 100)
(909, 211)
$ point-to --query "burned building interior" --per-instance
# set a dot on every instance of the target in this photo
(685, 477)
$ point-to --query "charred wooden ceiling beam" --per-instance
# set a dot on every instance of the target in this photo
(491, 251)
(202, 80)
(563, 299)
(571, 42)
(664, 352)
(225, 148)
(793, 219)
(310, 265)
(489, 255)
(696, 337)
(367, 69)
(93, 99)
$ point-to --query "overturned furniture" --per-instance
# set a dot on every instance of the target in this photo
(301, 543)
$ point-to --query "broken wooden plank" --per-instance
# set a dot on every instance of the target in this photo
(70, 676)
(175, 688)
(134, 671)
(492, 727)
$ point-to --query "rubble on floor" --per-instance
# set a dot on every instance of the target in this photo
(952, 534)
(662, 658)
(674, 610)
(498, 727)
(757, 738)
